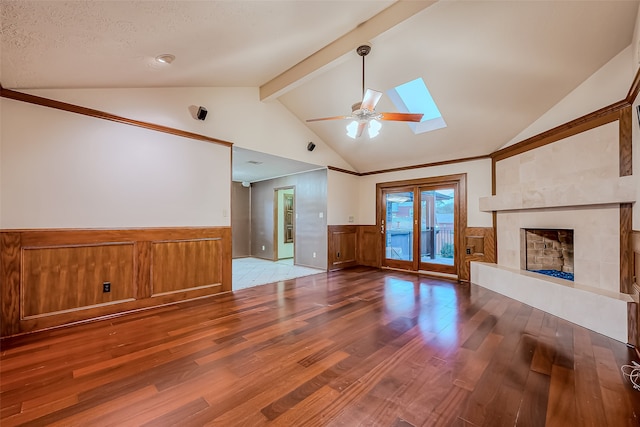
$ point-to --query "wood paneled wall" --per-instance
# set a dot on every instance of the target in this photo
(368, 245)
(479, 245)
(351, 245)
(55, 277)
(342, 245)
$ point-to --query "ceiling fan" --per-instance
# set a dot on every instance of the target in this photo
(363, 114)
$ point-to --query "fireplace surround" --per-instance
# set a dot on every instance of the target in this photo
(572, 184)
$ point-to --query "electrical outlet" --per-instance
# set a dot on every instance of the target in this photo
(106, 286)
(468, 251)
(263, 247)
(314, 254)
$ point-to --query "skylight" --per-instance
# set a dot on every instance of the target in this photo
(414, 97)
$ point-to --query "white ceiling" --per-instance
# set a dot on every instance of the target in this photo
(493, 67)
(253, 166)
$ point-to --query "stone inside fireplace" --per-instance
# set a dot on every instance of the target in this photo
(547, 251)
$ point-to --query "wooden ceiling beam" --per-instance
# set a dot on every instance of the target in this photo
(323, 58)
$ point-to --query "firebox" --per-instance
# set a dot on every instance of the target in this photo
(547, 251)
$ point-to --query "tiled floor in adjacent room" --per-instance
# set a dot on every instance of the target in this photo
(248, 272)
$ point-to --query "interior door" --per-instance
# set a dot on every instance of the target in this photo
(398, 227)
(438, 225)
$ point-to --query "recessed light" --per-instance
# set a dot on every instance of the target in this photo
(166, 58)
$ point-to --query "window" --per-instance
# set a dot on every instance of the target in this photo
(414, 97)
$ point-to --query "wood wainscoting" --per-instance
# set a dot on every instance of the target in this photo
(342, 245)
(56, 277)
(480, 245)
(351, 245)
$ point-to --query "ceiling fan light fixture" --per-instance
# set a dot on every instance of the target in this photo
(363, 113)
(352, 129)
(374, 128)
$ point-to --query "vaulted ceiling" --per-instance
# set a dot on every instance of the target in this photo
(493, 67)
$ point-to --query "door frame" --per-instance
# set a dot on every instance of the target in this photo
(276, 223)
(457, 180)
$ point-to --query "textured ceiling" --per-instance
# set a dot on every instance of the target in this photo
(493, 67)
(64, 44)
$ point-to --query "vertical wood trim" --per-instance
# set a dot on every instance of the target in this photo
(632, 324)
(626, 254)
(494, 214)
(634, 89)
(625, 143)
(143, 270)
(10, 244)
(462, 272)
(226, 260)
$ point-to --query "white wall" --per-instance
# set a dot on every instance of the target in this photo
(635, 44)
(234, 114)
(478, 185)
(64, 170)
(635, 156)
(342, 198)
(606, 86)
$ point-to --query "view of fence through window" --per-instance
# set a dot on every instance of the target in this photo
(436, 226)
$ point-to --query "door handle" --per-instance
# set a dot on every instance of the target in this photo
(382, 229)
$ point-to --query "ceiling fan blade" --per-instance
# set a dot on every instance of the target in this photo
(371, 98)
(401, 117)
(361, 127)
(330, 118)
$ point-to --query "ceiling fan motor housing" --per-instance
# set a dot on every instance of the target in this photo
(363, 50)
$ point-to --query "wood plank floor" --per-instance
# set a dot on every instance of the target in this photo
(357, 347)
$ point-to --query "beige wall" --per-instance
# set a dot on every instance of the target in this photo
(240, 220)
(310, 240)
(478, 185)
(342, 198)
(64, 170)
(606, 86)
(568, 165)
(635, 155)
(234, 114)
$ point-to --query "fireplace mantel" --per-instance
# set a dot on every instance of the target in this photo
(585, 193)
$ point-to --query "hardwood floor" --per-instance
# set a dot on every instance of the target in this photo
(356, 347)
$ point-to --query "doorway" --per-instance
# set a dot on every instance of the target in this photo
(284, 223)
(421, 222)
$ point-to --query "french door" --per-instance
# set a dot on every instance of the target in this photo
(420, 225)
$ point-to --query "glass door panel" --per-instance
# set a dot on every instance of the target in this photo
(398, 226)
(437, 225)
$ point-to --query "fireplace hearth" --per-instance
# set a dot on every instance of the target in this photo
(548, 252)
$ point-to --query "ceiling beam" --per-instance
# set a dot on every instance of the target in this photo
(314, 64)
